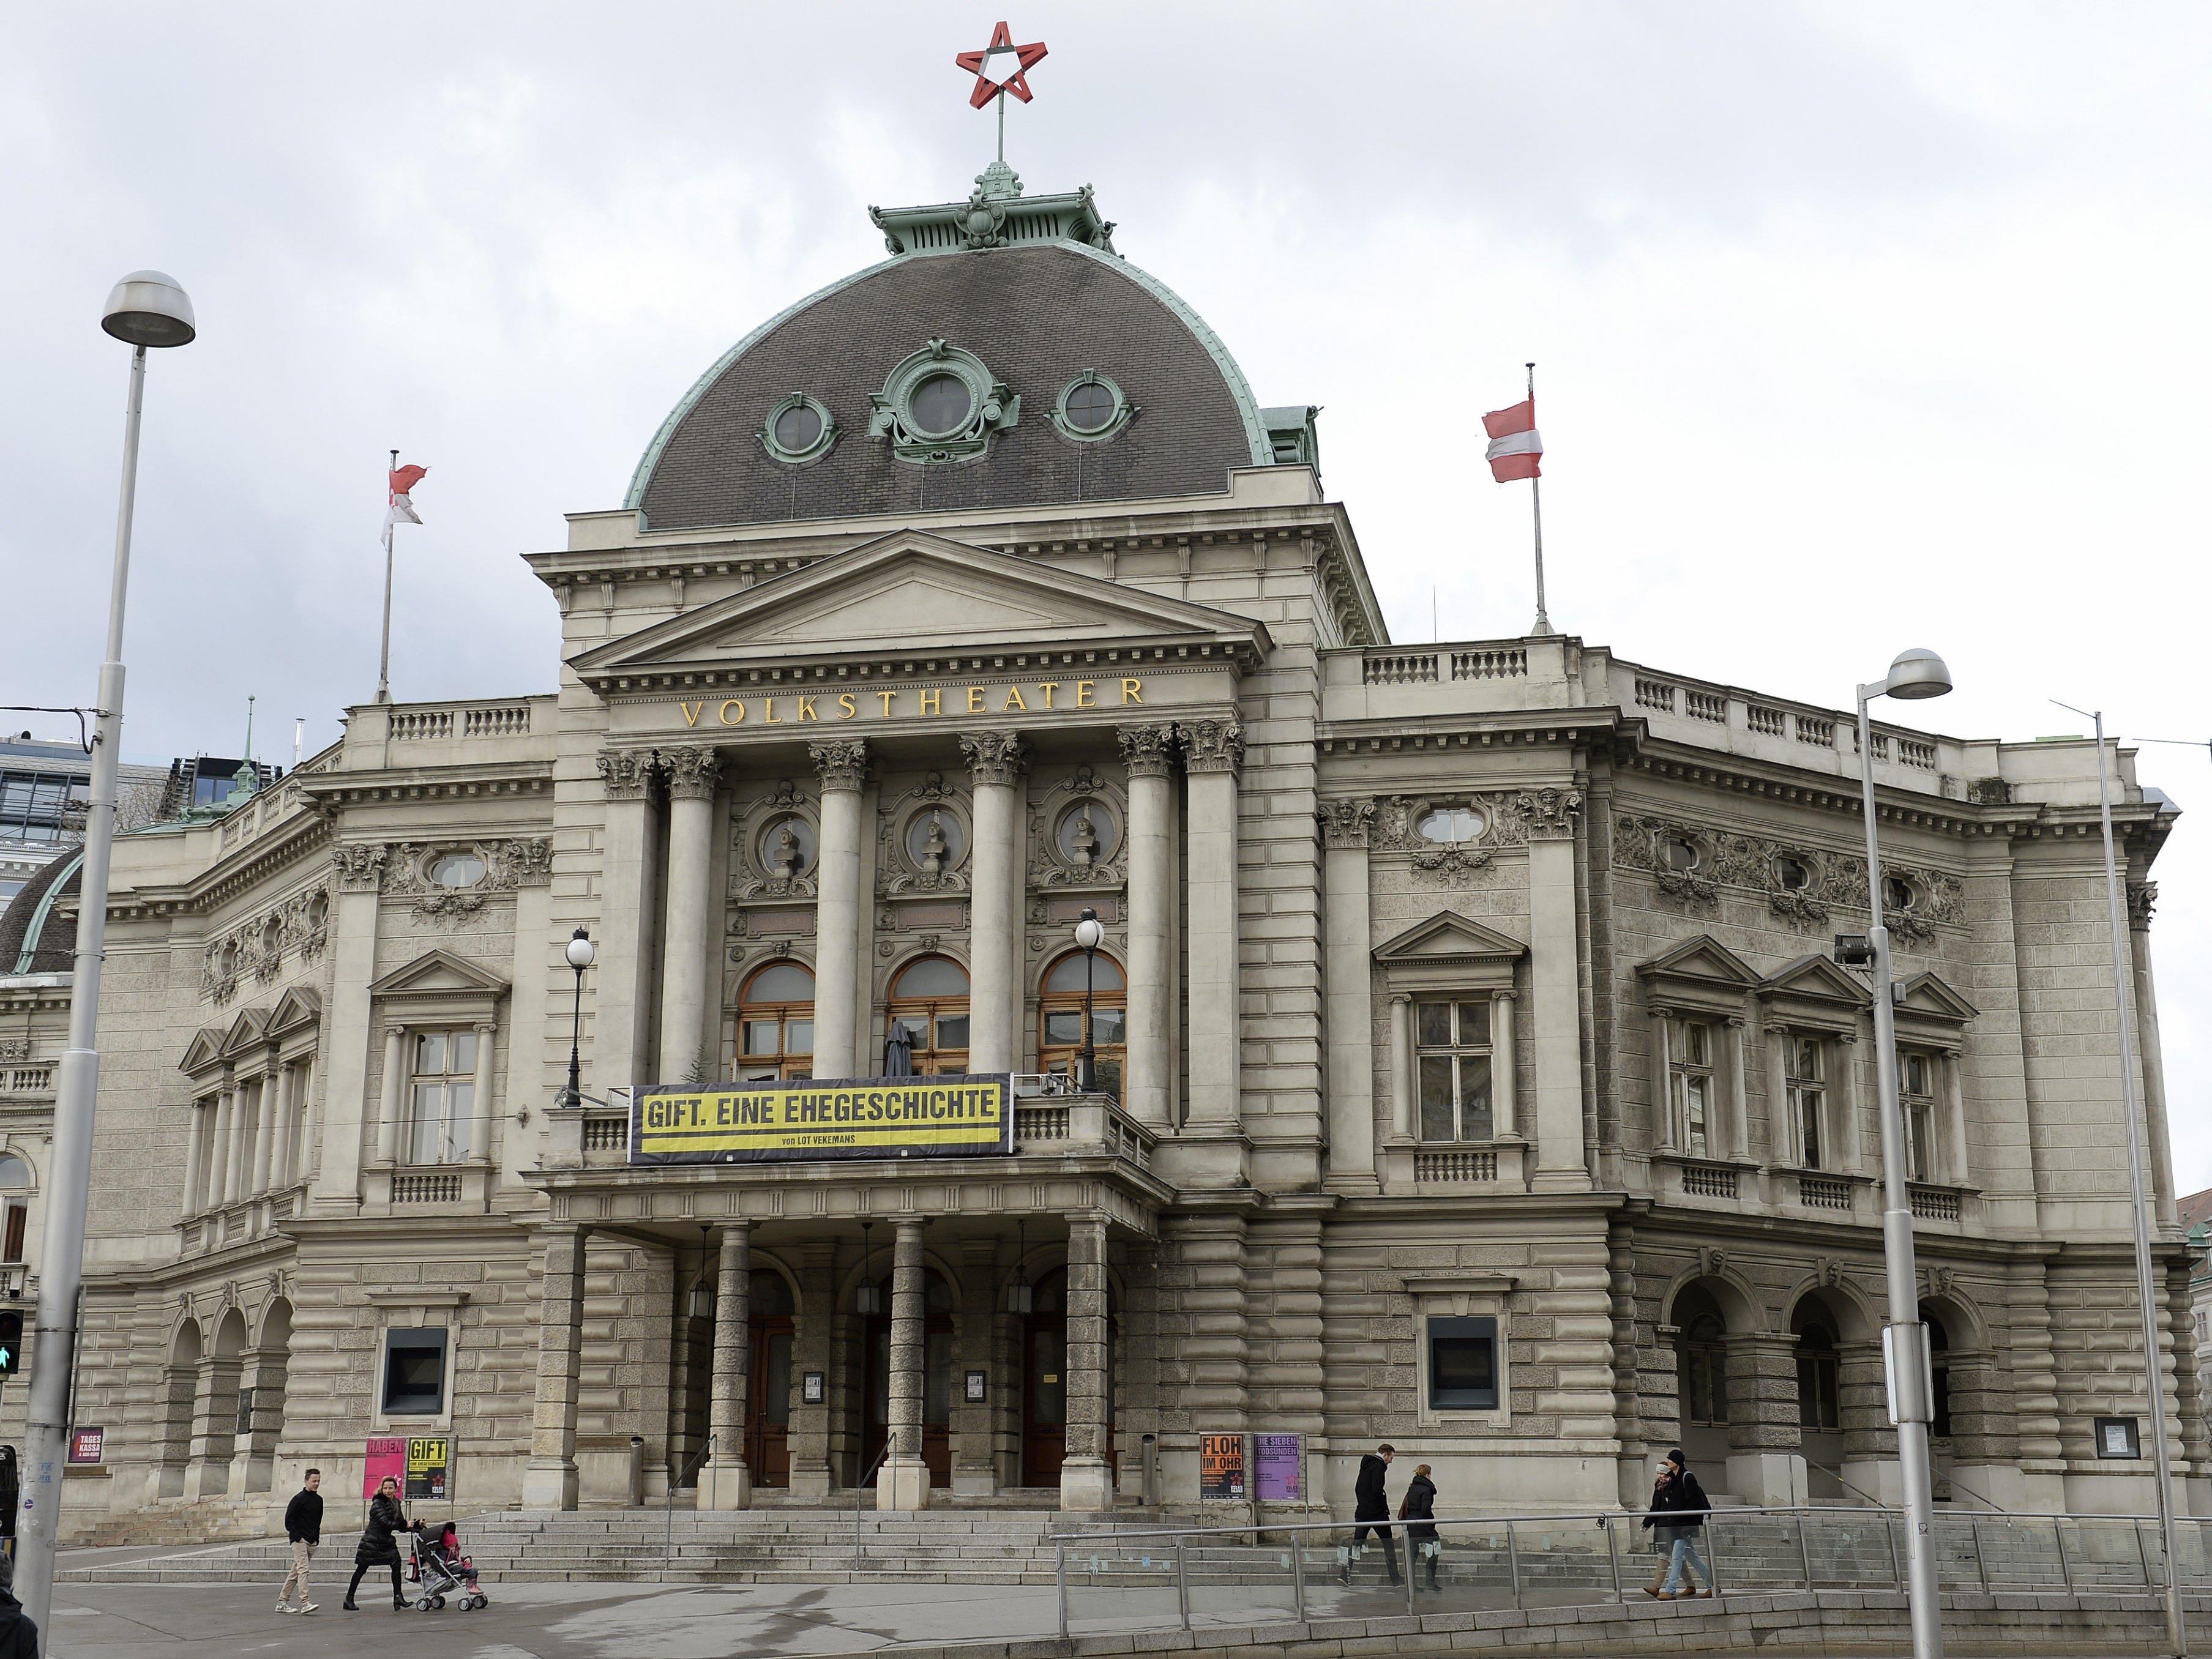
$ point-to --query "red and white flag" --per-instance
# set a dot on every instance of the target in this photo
(400, 509)
(1516, 448)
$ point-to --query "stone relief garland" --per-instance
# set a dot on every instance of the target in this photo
(1835, 880)
(255, 947)
(1392, 824)
(524, 861)
(13, 1050)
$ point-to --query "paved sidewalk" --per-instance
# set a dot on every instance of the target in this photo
(541, 1621)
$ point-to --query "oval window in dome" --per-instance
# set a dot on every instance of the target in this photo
(1450, 825)
(939, 403)
(1089, 406)
(457, 870)
(797, 429)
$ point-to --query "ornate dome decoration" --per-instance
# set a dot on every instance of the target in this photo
(941, 405)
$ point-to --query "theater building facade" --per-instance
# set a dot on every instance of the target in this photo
(1472, 1070)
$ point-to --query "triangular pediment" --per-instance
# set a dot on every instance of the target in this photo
(1448, 936)
(1702, 961)
(1928, 995)
(298, 1006)
(1815, 978)
(439, 973)
(204, 1051)
(912, 592)
(247, 1031)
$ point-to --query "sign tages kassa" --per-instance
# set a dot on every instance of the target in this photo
(968, 1116)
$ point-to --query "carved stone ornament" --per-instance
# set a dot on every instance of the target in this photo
(1711, 1262)
(15, 1050)
(1148, 750)
(993, 756)
(1455, 859)
(840, 765)
(1550, 814)
(934, 867)
(765, 864)
(1398, 819)
(360, 868)
(692, 771)
(1211, 745)
(1078, 866)
(255, 946)
(626, 774)
(1346, 823)
(523, 861)
(1835, 880)
(2143, 899)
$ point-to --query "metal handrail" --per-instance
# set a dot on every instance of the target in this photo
(858, 1487)
(668, 1536)
(1837, 1475)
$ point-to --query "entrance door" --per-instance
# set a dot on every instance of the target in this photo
(1044, 1382)
(936, 1381)
(768, 1413)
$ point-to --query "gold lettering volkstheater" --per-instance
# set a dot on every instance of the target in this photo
(800, 708)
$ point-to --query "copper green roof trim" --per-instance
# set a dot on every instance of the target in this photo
(37, 925)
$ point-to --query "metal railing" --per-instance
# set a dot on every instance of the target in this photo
(1191, 1578)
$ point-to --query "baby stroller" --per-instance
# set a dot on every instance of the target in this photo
(436, 1563)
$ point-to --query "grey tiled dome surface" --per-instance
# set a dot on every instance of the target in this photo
(1038, 317)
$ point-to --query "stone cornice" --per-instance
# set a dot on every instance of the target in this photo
(844, 670)
(1430, 734)
(386, 785)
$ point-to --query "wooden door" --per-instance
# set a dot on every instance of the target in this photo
(1044, 1397)
(768, 1413)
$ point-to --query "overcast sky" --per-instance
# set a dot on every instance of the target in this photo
(1858, 324)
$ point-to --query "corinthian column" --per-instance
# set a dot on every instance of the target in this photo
(692, 775)
(994, 759)
(844, 767)
(1554, 988)
(1213, 750)
(1347, 1010)
(1148, 750)
(625, 929)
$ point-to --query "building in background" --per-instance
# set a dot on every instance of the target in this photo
(1473, 1071)
(43, 790)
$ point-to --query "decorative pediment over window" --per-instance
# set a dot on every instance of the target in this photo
(298, 1009)
(439, 974)
(911, 591)
(1930, 1010)
(1814, 992)
(204, 1051)
(1699, 973)
(1448, 948)
(247, 1033)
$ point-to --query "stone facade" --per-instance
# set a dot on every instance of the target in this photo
(1474, 1072)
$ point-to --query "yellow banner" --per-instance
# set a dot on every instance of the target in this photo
(844, 1117)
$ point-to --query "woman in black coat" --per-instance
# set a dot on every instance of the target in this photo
(378, 1547)
(1421, 1542)
(1679, 1505)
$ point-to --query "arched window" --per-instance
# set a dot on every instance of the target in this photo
(1701, 1359)
(15, 1177)
(929, 1003)
(775, 1025)
(1939, 1356)
(15, 1173)
(1819, 1377)
(1060, 1028)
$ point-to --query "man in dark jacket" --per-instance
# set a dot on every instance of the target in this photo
(1371, 1503)
(1679, 1505)
(303, 1525)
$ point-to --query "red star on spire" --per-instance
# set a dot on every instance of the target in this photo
(1001, 67)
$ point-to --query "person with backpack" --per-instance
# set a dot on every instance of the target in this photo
(1679, 1506)
(1371, 1504)
(1422, 1543)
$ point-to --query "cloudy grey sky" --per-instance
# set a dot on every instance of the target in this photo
(1859, 324)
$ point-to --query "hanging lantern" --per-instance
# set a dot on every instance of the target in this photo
(868, 1300)
(702, 1290)
(1019, 1298)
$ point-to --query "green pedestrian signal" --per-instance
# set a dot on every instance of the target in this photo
(11, 1342)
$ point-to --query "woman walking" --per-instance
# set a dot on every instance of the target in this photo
(378, 1548)
(1421, 1541)
(1679, 1506)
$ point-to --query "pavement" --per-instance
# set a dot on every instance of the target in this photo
(539, 1621)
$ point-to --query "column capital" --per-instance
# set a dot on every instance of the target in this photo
(692, 771)
(1401, 996)
(1211, 745)
(1346, 823)
(993, 756)
(841, 765)
(626, 774)
(1550, 814)
(2143, 899)
(1149, 751)
(1506, 995)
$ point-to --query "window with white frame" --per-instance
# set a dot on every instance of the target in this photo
(442, 1084)
(1916, 1076)
(1691, 1087)
(1453, 1059)
(1806, 1067)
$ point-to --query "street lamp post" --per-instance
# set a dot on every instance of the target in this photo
(145, 309)
(579, 951)
(1088, 934)
(1915, 675)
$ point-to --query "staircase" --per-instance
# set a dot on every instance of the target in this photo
(179, 1521)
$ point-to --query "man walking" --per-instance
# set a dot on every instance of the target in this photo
(1371, 1503)
(303, 1525)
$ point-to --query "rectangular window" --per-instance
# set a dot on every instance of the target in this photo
(245, 1413)
(414, 1372)
(1463, 1364)
(1808, 1096)
(1452, 1069)
(11, 1247)
(1916, 1090)
(1691, 1087)
(443, 1085)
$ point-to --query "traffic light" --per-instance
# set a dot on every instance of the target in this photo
(11, 1342)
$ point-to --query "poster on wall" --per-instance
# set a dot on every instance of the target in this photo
(429, 1467)
(1279, 1463)
(968, 1116)
(85, 1445)
(1221, 1468)
(386, 1459)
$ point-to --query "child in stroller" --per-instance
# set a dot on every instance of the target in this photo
(441, 1570)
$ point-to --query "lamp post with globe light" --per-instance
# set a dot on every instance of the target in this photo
(578, 953)
(1916, 675)
(145, 310)
(1088, 936)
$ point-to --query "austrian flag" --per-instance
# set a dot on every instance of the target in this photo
(1516, 448)
(400, 508)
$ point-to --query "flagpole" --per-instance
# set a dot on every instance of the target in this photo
(384, 660)
(1536, 505)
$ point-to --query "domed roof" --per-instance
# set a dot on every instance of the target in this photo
(30, 943)
(1025, 303)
